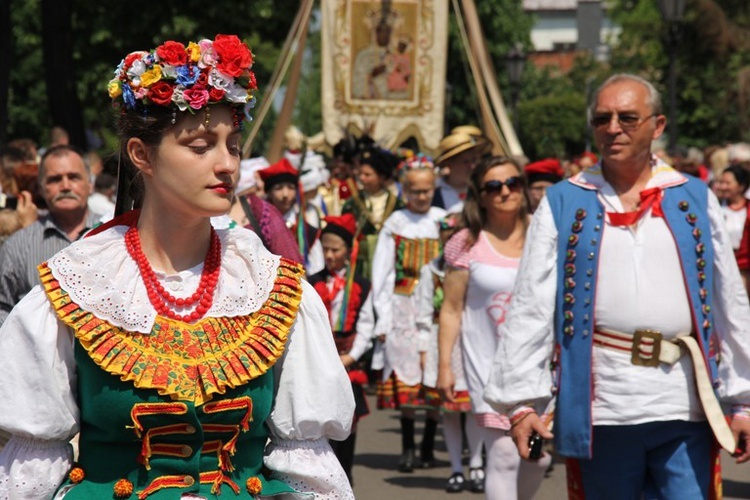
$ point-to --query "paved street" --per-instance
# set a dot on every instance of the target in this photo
(379, 447)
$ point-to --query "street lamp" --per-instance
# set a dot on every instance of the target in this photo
(514, 62)
(672, 12)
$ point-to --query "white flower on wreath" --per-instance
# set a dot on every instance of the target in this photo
(179, 99)
(168, 71)
(136, 69)
(237, 94)
(217, 79)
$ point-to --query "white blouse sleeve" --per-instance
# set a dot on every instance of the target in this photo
(365, 328)
(424, 292)
(384, 279)
(520, 371)
(313, 403)
(731, 313)
(37, 400)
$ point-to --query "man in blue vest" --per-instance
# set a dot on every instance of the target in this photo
(629, 287)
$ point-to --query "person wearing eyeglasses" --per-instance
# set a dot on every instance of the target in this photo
(482, 261)
(408, 240)
(628, 282)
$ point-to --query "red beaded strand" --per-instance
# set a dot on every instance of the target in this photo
(161, 299)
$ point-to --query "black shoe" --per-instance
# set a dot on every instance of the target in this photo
(476, 480)
(455, 483)
(406, 464)
(427, 461)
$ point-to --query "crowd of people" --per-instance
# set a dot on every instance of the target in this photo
(209, 324)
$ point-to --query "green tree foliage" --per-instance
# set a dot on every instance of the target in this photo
(103, 32)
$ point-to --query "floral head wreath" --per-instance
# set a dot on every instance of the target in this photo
(418, 161)
(186, 78)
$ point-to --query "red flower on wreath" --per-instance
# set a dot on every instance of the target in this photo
(215, 94)
(252, 83)
(234, 56)
(161, 93)
(173, 53)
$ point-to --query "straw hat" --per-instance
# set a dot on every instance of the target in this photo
(455, 143)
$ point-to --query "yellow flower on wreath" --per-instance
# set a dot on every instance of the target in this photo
(194, 52)
(114, 87)
(151, 76)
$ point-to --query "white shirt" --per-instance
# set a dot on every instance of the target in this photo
(640, 285)
(452, 199)
(37, 396)
(735, 224)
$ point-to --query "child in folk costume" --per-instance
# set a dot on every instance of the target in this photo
(348, 301)
(409, 240)
(430, 296)
(374, 203)
(281, 184)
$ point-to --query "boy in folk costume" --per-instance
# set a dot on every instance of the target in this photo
(409, 240)
(348, 301)
(281, 185)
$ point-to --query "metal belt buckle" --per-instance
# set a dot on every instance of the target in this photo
(637, 357)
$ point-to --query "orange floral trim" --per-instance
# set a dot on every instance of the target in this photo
(188, 361)
(217, 478)
(162, 482)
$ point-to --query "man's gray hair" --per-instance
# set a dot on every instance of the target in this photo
(653, 100)
(61, 150)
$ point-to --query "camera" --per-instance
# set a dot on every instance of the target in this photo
(6, 201)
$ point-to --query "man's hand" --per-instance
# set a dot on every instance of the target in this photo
(521, 432)
(741, 430)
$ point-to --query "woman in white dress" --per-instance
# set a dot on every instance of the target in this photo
(482, 264)
(190, 359)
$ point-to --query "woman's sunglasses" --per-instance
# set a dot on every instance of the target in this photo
(513, 183)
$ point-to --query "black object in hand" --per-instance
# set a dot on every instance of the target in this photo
(535, 446)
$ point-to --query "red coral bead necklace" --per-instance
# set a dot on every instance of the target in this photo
(163, 301)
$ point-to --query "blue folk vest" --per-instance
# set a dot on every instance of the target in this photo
(579, 218)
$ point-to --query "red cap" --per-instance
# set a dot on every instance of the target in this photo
(587, 154)
(547, 166)
(281, 171)
(347, 221)
(344, 226)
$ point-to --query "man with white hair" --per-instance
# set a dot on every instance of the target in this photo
(628, 283)
(65, 186)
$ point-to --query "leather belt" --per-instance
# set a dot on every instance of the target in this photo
(649, 348)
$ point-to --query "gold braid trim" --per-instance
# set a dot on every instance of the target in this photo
(188, 361)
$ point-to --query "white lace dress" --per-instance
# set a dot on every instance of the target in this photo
(38, 404)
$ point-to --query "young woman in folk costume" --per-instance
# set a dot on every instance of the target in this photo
(482, 263)
(282, 187)
(192, 361)
(456, 414)
(374, 203)
(348, 300)
(408, 241)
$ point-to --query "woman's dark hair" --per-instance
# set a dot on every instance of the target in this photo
(148, 127)
(741, 175)
(474, 216)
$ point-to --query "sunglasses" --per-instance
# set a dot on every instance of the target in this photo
(627, 122)
(513, 184)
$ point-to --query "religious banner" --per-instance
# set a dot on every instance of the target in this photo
(384, 65)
